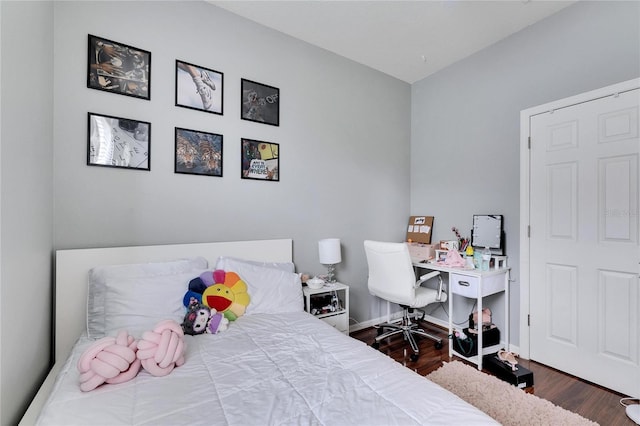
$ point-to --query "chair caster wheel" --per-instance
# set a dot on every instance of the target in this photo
(439, 345)
(413, 357)
(375, 345)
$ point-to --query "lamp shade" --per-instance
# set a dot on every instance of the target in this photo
(329, 250)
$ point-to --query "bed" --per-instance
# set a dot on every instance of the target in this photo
(274, 364)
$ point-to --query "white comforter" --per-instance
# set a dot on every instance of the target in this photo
(265, 369)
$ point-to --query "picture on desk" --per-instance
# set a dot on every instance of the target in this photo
(118, 142)
(441, 255)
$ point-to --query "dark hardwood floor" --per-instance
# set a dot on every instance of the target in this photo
(590, 401)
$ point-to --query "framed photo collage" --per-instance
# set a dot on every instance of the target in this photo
(125, 142)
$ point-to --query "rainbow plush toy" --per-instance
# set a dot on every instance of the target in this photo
(223, 291)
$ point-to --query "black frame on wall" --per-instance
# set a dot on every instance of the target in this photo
(198, 153)
(118, 68)
(260, 160)
(260, 103)
(118, 142)
(199, 88)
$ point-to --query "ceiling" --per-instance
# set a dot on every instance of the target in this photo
(408, 40)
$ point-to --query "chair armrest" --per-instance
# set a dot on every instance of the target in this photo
(427, 277)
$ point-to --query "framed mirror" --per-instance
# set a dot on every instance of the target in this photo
(487, 232)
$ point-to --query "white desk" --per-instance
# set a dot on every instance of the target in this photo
(476, 284)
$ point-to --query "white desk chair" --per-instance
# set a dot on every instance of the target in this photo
(392, 278)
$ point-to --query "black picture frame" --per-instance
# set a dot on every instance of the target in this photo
(199, 88)
(118, 142)
(118, 68)
(198, 152)
(260, 160)
(260, 103)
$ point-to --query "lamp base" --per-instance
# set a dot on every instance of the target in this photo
(331, 273)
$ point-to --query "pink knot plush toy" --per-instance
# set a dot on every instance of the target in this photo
(109, 360)
(161, 350)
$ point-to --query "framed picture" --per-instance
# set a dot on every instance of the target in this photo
(441, 255)
(198, 153)
(260, 160)
(118, 142)
(260, 103)
(199, 88)
(117, 68)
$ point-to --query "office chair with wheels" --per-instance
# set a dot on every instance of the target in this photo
(392, 278)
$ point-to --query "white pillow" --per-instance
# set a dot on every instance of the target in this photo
(283, 266)
(272, 290)
(137, 296)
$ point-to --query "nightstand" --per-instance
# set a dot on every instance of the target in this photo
(329, 303)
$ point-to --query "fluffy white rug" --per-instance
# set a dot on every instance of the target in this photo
(507, 404)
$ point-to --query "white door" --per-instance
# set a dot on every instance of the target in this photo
(584, 252)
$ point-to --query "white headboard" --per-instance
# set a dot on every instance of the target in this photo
(72, 269)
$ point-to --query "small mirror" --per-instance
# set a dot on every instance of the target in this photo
(487, 232)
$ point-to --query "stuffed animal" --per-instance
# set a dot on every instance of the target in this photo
(201, 319)
(225, 292)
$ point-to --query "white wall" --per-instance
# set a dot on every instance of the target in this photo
(344, 146)
(26, 205)
(465, 127)
(344, 141)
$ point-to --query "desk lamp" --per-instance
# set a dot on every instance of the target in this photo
(329, 250)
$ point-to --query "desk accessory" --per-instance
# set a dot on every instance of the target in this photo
(488, 232)
(499, 261)
(486, 258)
(315, 283)
(421, 252)
(419, 229)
